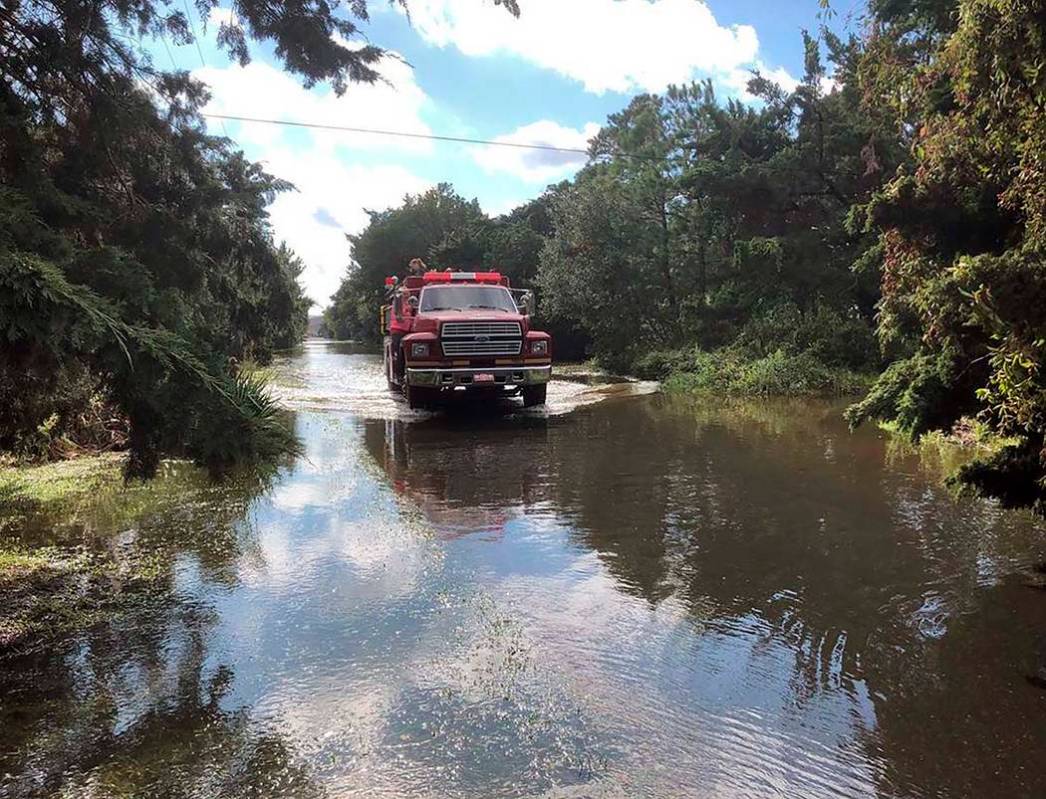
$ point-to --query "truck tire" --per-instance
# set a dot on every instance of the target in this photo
(534, 395)
(387, 364)
(419, 397)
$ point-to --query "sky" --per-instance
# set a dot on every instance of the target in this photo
(467, 68)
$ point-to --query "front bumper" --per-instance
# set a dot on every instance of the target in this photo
(503, 376)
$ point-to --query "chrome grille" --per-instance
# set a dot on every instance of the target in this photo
(472, 329)
(451, 348)
(481, 338)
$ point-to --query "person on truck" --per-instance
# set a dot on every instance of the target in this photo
(455, 334)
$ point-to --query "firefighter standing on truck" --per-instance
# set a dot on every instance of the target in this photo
(416, 268)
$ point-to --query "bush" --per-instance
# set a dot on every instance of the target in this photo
(832, 337)
(727, 371)
(660, 364)
(915, 394)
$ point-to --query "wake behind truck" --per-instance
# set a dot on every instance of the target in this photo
(451, 334)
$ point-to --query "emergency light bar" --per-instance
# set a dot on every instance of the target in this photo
(449, 277)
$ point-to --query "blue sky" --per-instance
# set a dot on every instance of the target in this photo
(467, 68)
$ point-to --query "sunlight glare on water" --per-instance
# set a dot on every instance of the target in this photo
(640, 596)
(348, 377)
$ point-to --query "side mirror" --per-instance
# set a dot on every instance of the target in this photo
(412, 301)
(526, 303)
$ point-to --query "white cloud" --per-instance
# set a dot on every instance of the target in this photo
(262, 91)
(829, 84)
(495, 208)
(538, 166)
(219, 16)
(737, 79)
(607, 45)
(330, 201)
(332, 192)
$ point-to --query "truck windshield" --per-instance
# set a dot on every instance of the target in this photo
(461, 298)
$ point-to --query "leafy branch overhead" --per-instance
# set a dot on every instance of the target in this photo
(138, 264)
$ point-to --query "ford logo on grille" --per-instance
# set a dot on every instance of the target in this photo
(482, 338)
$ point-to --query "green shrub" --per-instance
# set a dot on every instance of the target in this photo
(727, 371)
(660, 364)
(914, 394)
(833, 337)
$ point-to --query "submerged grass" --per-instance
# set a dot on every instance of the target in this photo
(945, 453)
(77, 547)
(50, 592)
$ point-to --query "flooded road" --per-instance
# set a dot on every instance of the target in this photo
(629, 595)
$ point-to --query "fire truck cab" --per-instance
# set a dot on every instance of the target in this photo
(451, 334)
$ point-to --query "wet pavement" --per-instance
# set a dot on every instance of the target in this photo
(623, 595)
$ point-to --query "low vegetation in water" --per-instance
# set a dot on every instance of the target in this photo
(774, 375)
(779, 353)
(80, 546)
(50, 592)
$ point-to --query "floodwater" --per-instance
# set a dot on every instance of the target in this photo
(627, 595)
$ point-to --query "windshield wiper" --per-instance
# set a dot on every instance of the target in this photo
(442, 308)
(488, 307)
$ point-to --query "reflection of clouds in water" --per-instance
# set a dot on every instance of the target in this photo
(383, 552)
(300, 494)
(634, 668)
(551, 668)
(555, 670)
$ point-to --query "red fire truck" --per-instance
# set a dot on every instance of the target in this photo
(448, 334)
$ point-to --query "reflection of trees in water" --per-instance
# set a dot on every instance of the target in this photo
(129, 707)
(135, 711)
(772, 521)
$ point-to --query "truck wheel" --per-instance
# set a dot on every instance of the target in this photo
(534, 395)
(418, 397)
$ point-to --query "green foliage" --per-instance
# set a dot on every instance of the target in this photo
(394, 237)
(963, 230)
(728, 372)
(731, 227)
(137, 266)
(832, 336)
(447, 231)
(175, 401)
(912, 394)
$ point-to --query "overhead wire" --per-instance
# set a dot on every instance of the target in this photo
(222, 118)
(410, 135)
(199, 50)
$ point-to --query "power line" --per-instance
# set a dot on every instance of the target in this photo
(199, 50)
(167, 47)
(400, 133)
(404, 134)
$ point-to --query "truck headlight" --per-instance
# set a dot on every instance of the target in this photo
(419, 349)
(539, 347)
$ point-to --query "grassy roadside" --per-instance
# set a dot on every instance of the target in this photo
(58, 571)
(24, 488)
(731, 372)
